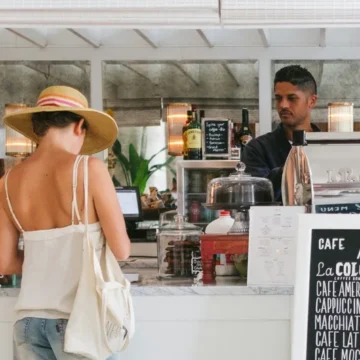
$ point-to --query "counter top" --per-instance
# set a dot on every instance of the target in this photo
(150, 285)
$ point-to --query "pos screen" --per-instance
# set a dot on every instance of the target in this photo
(129, 200)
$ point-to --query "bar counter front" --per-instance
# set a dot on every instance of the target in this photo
(184, 319)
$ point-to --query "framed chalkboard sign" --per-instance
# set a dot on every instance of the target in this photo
(326, 322)
(216, 138)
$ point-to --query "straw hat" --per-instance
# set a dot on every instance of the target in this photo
(102, 131)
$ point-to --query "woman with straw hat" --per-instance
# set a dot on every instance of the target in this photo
(43, 199)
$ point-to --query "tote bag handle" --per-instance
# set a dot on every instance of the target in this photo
(103, 287)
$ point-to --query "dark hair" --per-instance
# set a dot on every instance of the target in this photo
(298, 76)
(43, 121)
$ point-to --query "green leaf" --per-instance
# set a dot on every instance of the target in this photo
(120, 156)
(152, 158)
(172, 170)
(142, 173)
(165, 164)
(135, 162)
(142, 185)
(115, 181)
(143, 142)
(117, 147)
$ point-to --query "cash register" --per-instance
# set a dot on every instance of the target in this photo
(130, 204)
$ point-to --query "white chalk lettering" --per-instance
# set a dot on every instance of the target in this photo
(326, 288)
(324, 272)
(331, 244)
(347, 269)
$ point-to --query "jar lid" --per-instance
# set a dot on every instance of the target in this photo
(179, 223)
(239, 176)
(224, 213)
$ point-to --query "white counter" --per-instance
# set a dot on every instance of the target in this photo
(179, 320)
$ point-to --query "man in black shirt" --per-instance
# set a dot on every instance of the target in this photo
(295, 96)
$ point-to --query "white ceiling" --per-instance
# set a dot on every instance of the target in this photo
(179, 23)
(168, 38)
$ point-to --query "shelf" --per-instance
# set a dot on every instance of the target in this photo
(196, 194)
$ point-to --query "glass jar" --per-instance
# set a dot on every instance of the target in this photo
(179, 249)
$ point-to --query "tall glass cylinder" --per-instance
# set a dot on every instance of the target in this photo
(176, 117)
(341, 117)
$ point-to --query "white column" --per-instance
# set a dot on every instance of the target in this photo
(96, 93)
(265, 95)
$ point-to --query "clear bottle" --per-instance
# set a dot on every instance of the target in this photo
(296, 185)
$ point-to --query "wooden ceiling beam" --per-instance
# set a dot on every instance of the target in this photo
(205, 39)
(84, 38)
(265, 37)
(146, 38)
(230, 73)
(25, 36)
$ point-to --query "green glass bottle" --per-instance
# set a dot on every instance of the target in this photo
(185, 127)
(193, 139)
(244, 136)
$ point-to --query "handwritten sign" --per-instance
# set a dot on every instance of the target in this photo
(327, 292)
(272, 245)
(216, 138)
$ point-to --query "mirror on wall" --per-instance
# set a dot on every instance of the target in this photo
(138, 92)
(22, 82)
(337, 82)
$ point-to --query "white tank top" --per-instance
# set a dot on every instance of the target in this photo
(52, 263)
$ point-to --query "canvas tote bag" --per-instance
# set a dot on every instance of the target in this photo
(102, 320)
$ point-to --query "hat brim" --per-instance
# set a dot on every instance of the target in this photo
(101, 134)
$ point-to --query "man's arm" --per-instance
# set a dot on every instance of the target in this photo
(256, 166)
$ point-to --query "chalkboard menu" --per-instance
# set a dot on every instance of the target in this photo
(216, 138)
(333, 323)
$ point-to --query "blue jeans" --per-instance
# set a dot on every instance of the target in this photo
(42, 339)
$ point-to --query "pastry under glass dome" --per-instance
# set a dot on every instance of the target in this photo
(239, 191)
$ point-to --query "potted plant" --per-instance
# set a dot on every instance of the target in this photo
(136, 168)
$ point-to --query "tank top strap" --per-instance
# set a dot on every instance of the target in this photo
(74, 207)
(9, 203)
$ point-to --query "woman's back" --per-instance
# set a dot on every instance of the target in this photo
(41, 191)
(53, 254)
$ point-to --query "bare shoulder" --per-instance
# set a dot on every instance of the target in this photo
(99, 175)
(97, 167)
